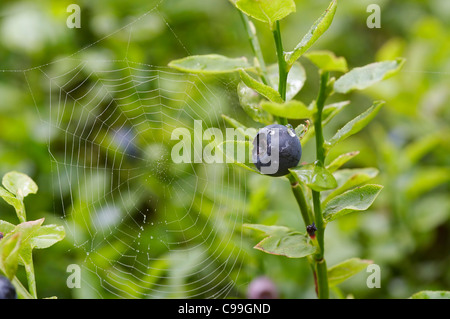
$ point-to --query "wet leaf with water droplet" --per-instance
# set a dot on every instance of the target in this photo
(349, 178)
(283, 241)
(268, 11)
(363, 77)
(210, 63)
(315, 32)
(315, 177)
(295, 80)
(358, 199)
(346, 269)
(292, 109)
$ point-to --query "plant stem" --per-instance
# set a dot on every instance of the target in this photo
(22, 292)
(321, 265)
(29, 269)
(21, 213)
(322, 279)
(301, 200)
(254, 43)
(282, 70)
(320, 151)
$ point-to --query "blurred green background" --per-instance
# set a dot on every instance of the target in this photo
(88, 114)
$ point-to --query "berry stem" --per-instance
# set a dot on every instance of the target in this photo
(322, 95)
(301, 200)
(21, 213)
(282, 70)
(321, 265)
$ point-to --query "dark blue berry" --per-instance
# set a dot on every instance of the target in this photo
(7, 290)
(276, 148)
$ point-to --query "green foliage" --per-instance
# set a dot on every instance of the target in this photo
(17, 187)
(426, 294)
(358, 199)
(327, 61)
(19, 240)
(295, 79)
(363, 77)
(283, 241)
(291, 109)
(355, 125)
(272, 92)
(268, 92)
(315, 32)
(210, 64)
(9, 255)
(405, 232)
(349, 178)
(341, 160)
(20, 185)
(250, 102)
(315, 177)
(346, 269)
(268, 11)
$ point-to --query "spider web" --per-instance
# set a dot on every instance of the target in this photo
(141, 225)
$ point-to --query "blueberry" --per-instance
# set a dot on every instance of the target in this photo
(262, 288)
(7, 290)
(276, 148)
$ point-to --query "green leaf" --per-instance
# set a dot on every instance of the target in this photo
(249, 133)
(292, 109)
(265, 90)
(9, 197)
(9, 255)
(340, 160)
(210, 64)
(250, 102)
(428, 294)
(302, 129)
(363, 77)
(27, 230)
(355, 125)
(46, 236)
(315, 32)
(358, 199)
(349, 178)
(283, 241)
(13, 201)
(6, 227)
(315, 177)
(327, 61)
(238, 153)
(268, 11)
(346, 269)
(22, 292)
(424, 180)
(295, 80)
(34, 236)
(331, 110)
(19, 184)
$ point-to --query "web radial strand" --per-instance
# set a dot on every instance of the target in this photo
(144, 226)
